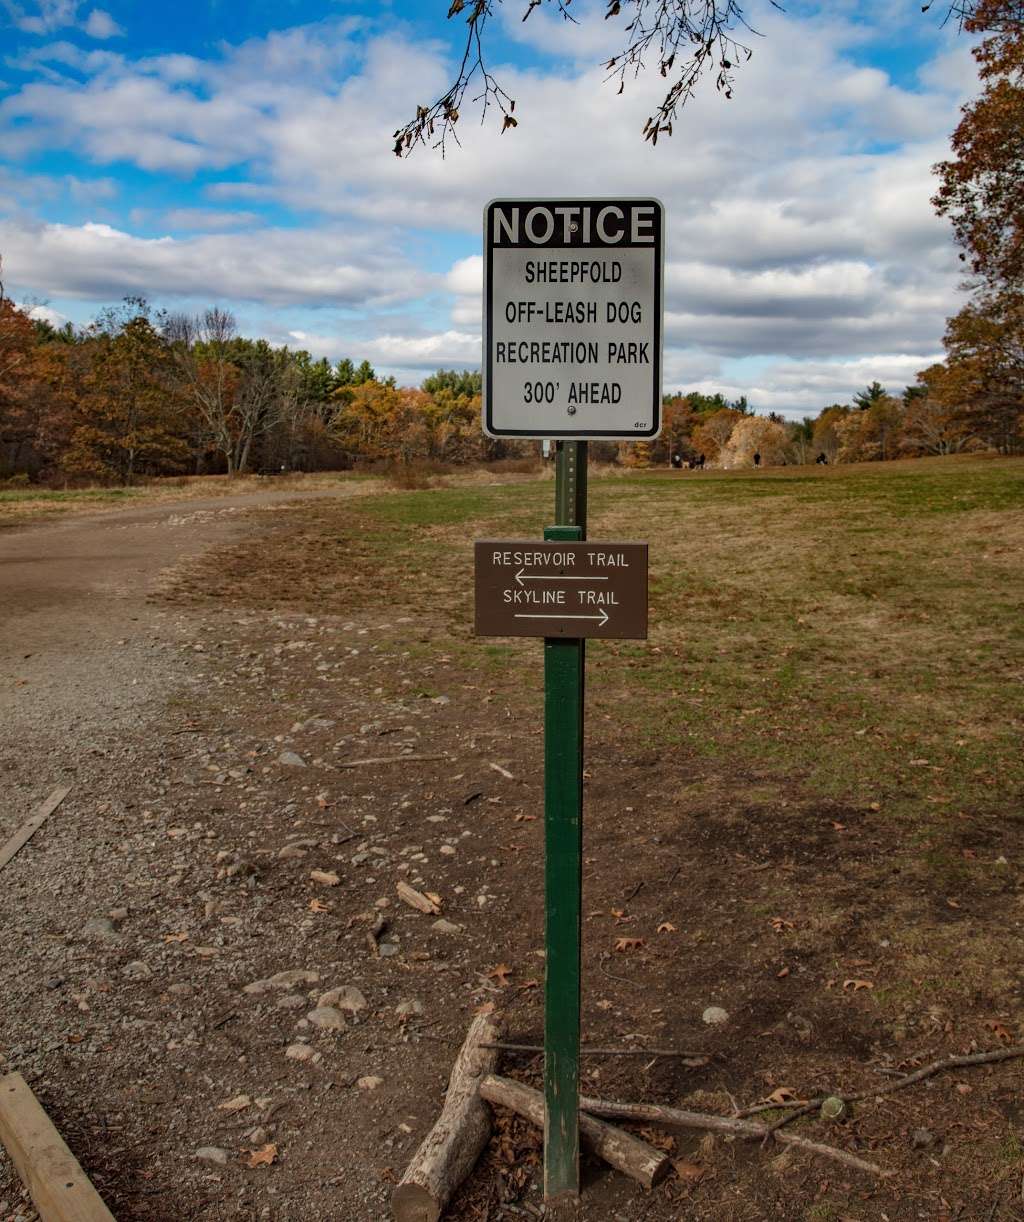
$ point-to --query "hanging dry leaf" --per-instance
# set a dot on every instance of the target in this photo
(264, 1156)
(500, 973)
(624, 944)
(857, 985)
(666, 927)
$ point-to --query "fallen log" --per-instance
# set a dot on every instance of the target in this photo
(449, 1151)
(58, 1186)
(621, 1150)
(674, 1118)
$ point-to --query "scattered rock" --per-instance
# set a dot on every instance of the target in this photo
(406, 1009)
(714, 1016)
(922, 1139)
(347, 997)
(387, 949)
(291, 760)
(292, 1001)
(833, 1109)
(300, 1052)
(370, 1082)
(100, 929)
(289, 979)
(326, 878)
(137, 970)
(327, 1018)
(118, 914)
(238, 1104)
(212, 1154)
(292, 850)
(443, 926)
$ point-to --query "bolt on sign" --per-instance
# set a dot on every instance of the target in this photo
(573, 318)
(561, 589)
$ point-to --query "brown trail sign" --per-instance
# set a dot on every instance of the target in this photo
(561, 589)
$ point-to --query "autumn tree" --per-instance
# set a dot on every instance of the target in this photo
(756, 435)
(126, 418)
(935, 416)
(714, 431)
(982, 185)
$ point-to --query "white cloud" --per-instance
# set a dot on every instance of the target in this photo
(100, 24)
(278, 266)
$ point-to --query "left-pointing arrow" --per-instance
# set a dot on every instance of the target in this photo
(522, 577)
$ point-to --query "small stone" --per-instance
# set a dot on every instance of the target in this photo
(922, 1139)
(714, 1016)
(347, 997)
(291, 850)
(292, 1001)
(181, 990)
(443, 926)
(406, 1009)
(327, 1018)
(137, 970)
(118, 914)
(833, 1109)
(326, 878)
(291, 760)
(387, 949)
(212, 1154)
(100, 929)
(258, 1136)
(289, 979)
(300, 1052)
(370, 1082)
(447, 850)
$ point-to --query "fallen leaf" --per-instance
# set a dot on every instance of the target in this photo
(857, 985)
(624, 944)
(175, 937)
(782, 973)
(318, 906)
(488, 1007)
(783, 1096)
(667, 927)
(326, 878)
(838, 827)
(689, 1173)
(526, 818)
(953, 903)
(998, 1030)
(500, 973)
(780, 924)
(429, 904)
(263, 1157)
(529, 984)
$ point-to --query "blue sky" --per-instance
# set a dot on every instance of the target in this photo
(239, 154)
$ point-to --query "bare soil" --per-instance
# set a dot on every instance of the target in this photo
(170, 710)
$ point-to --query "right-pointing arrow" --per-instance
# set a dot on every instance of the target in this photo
(602, 617)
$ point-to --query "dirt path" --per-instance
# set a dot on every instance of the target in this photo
(82, 652)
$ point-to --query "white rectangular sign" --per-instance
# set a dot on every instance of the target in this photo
(573, 318)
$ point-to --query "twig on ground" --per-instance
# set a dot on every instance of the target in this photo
(389, 759)
(670, 1117)
(636, 890)
(919, 1075)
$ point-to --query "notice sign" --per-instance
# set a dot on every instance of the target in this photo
(573, 318)
(561, 589)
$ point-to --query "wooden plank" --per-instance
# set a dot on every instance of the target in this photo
(58, 1185)
(28, 829)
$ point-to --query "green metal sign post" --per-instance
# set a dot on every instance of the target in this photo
(564, 663)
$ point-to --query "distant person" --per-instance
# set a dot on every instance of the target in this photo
(699, 462)
(757, 460)
(677, 461)
(821, 460)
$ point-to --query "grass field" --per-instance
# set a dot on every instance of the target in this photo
(858, 631)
